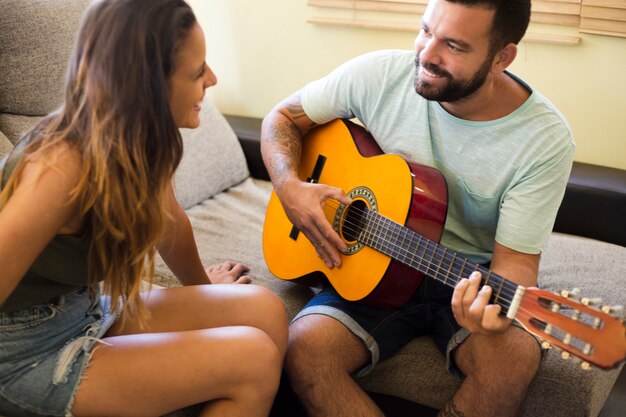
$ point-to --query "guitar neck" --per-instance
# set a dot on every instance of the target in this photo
(428, 257)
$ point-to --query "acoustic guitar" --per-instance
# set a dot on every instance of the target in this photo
(392, 229)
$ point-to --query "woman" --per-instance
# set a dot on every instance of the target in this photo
(86, 201)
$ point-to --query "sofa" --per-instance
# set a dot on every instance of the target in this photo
(223, 186)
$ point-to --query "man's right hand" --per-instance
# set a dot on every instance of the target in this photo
(305, 204)
(281, 134)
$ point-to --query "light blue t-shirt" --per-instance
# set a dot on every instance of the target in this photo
(506, 177)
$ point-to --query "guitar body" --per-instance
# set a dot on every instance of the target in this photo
(410, 194)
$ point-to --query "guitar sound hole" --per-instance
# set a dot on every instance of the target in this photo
(354, 220)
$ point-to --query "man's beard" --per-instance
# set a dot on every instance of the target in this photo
(454, 89)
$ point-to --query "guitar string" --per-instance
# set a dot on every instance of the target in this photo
(446, 255)
(501, 293)
(522, 311)
(505, 285)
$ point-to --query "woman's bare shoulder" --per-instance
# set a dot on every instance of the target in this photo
(60, 163)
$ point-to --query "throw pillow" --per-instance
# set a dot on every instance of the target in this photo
(212, 159)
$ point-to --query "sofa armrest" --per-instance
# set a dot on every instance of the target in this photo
(594, 204)
(248, 130)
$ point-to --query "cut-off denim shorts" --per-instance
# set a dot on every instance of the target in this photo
(45, 349)
(385, 331)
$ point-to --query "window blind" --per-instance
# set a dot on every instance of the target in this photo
(606, 17)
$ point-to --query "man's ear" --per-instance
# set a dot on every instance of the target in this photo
(504, 57)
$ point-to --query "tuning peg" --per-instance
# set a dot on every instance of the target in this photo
(567, 339)
(547, 329)
(615, 311)
(585, 366)
(546, 345)
(565, 355)
(596, 323)
(573, 294)
(591, 301)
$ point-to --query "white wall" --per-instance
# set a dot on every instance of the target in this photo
(262, 51)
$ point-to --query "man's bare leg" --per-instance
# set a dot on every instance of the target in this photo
(498, 371)
(321, 356)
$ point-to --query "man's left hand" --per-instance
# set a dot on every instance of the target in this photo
(471, 308)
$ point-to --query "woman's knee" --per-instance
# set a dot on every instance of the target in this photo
(269, 304)
(258, 364)
(270, 312)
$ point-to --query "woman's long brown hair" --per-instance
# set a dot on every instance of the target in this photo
(116, 115)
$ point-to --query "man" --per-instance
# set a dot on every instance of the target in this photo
(506, 153)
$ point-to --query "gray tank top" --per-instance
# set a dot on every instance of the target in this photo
(60, 268)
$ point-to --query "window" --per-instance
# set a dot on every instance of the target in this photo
(606, 17)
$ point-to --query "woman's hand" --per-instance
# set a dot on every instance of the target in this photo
(228, 272)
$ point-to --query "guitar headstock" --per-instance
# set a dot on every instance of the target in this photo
(578, 326)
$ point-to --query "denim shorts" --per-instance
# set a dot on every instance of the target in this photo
(385, 331)
(44, 350)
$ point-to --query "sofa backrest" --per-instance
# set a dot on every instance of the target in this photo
(37, 39)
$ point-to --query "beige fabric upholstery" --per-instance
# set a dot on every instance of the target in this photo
(212, 159)
(229, 226)
(37, 37)
(5, 145)
(15, 125)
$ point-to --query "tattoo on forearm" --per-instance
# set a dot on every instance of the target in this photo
(286, 144)
(287, 152)
(451, 410)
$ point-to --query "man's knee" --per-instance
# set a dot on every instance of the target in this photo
(321, 344)
(514, 353)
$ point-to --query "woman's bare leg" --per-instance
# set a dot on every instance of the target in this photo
(220, 344)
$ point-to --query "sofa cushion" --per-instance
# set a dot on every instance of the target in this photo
(5, 145)
(229, 226)
(212, 159)
(37, 38)
(597, 268)
(14, 125)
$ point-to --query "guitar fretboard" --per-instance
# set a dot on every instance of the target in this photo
(428, 257)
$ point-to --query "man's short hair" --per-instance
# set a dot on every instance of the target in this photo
(510, 20)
